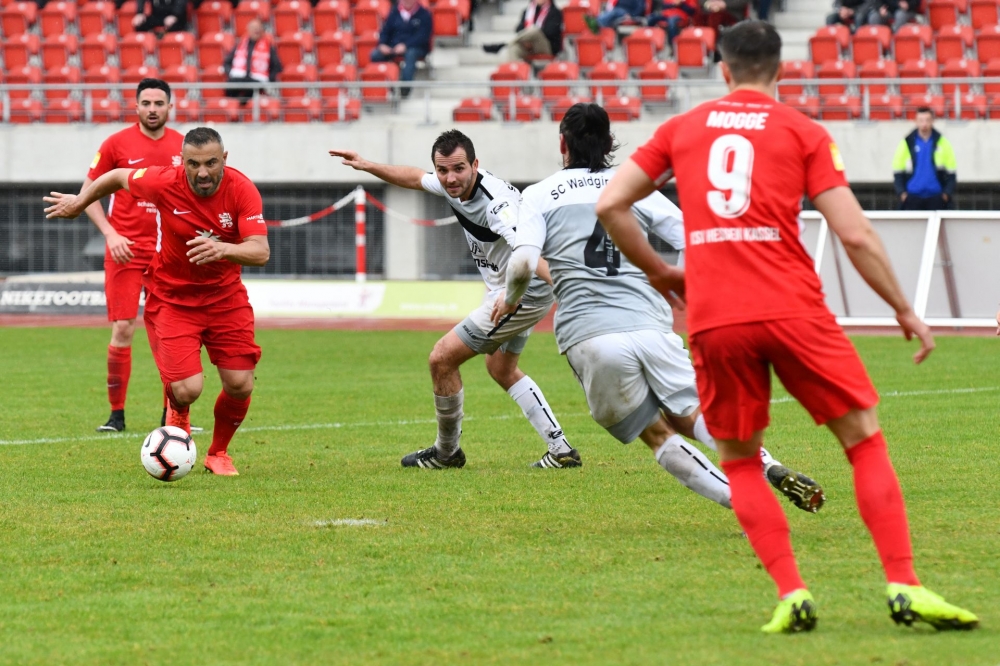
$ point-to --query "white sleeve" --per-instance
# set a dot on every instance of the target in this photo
(502, 218)
(662, 218)
(431, 184)
(530, 224)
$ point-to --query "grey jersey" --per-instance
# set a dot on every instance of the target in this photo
(489, 219)
(598, 290)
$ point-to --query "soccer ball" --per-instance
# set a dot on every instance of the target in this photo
(168, 453)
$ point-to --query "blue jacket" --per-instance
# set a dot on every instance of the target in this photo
(415, 33)
(632, 7)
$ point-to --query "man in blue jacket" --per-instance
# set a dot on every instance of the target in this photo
(406, 36)
(616, 11)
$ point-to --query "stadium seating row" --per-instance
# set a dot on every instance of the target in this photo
(967, 106)
(529, 108)
(911, 42)
(887, 69)
(653, 81)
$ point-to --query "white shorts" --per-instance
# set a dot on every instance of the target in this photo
(481, 336)
(629, 377)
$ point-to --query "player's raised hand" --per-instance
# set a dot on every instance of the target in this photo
(118, 248)
(501, 309)
(913, 326)
(63, 205)
(350, 158)
(205, 250)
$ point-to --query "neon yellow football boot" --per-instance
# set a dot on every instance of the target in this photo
(913, 603)
(796, 612)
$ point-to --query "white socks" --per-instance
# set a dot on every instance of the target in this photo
(529, 398)
(690, 466)
(449, 418)
(702, 435)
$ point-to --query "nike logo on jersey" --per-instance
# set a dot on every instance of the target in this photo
(136, 161)
(181, 212)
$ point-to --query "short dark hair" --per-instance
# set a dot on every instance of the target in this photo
(154, 84)
(752, 51)
(201, 136)
(450, 141)
(925, 109)
(587, 131)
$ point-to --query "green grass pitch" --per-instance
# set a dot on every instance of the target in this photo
(614, 563)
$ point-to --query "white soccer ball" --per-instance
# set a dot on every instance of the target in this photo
(168, 453)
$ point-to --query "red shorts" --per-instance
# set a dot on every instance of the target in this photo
(812, 357)
(176, 334)
(123, 283)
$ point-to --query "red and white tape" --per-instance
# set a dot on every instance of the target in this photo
(349, 199)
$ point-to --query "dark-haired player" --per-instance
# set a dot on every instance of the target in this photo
(129, 228)
(743, 164)
(211, 223)
(486, 207)
(615, 330)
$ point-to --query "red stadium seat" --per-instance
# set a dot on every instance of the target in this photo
(96, 49)
(57, 49)
(829, 43)
(970, 106)
(871, 42)
(95, 16)
(448, 22)
(643, 45)
(988, 43)
(509, 71)
(913, 102)
(558, 71)
(983, 13)
(24, 76)
(17, 50)
(368, 15)
(794, 69)
(559, 108)
(955, 69)
(573, 13)
(126, 12)
(175, 47)
(214, 16)
(331, 47)
(464, 7)
(24, 110)
(177, 76)
(885, 107)
(342, 73)
(330, 15)
(914, 69)
(942, 12)
(993, 106)
(57, 17)
(608, 71)
(840, 69)
(473, 110)
(623, 109)
(106, 110)
(807, 104)
(952, 41)
(694, 47)
(215, 74)
(63, 111)
(221, 110)
(878, 69)
(291, 16)
(840, 107)
(293, 48)
(295, 74)
(98, 74)
(992, 70)
(363, 47)
(65, 75)
(590, 50)
(268, 110)
(187, 111)
(654, 76)
(17, 18)
(134, 48)
(213, 48)
(526, 109)
(379, 71)
(912, 42)
(301, 110)
(134, 75)
(247, 11)
(337, 110)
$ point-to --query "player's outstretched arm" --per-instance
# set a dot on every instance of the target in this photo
(614, 209)
(253, 251)
(118, 245)
(70, 206)
(865, 250)
(401, 176)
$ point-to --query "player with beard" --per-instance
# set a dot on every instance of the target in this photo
(129, 228)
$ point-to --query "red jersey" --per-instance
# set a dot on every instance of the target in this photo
(742, 164)
(234, 212)
(133, 218)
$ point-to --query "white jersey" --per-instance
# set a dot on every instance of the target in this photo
(598, 290)
(489, 219)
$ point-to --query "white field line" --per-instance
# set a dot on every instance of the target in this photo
(350, 522)
(389, 424)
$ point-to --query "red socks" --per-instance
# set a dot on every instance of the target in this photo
(119, 371)
(880, 503)
(764, 522)
(229, 414)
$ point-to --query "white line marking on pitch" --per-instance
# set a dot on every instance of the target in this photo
(389, 424)
(350, 522)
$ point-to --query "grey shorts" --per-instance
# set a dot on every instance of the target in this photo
(481, 336)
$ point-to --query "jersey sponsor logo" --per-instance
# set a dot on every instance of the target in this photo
(736, 235)
(175, 160)
(225, 220)
(259, 217)
(139, 173)
(838, 161)
(499, 207)
(734, 120)
(181, 212)
(97, 160)
(131, 162)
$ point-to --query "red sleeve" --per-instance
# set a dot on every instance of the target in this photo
(104, 160)
(653, 157)
(824, 166)
(150, 182)
(250, 219)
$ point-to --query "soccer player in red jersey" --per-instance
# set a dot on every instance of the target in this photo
(211, 223)
(743, 164)
(129, 228)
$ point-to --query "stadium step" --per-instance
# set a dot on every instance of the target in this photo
(800, 19)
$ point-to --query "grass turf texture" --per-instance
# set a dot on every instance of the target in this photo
(496, 563)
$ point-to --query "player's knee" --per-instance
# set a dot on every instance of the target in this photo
(122, 332)
(186, 392)
(438, 361)
(239, 387)
(504, 374)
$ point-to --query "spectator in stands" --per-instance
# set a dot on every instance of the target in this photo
(673, 16)
(540, 32)
(894, 13)
(169, 15)
(718, 14)
(616, 11)
(253, 61)
(406, 36)
(924, 167)
(763, 8)
(852, 13)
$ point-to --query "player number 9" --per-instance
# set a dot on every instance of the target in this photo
(730, 163)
